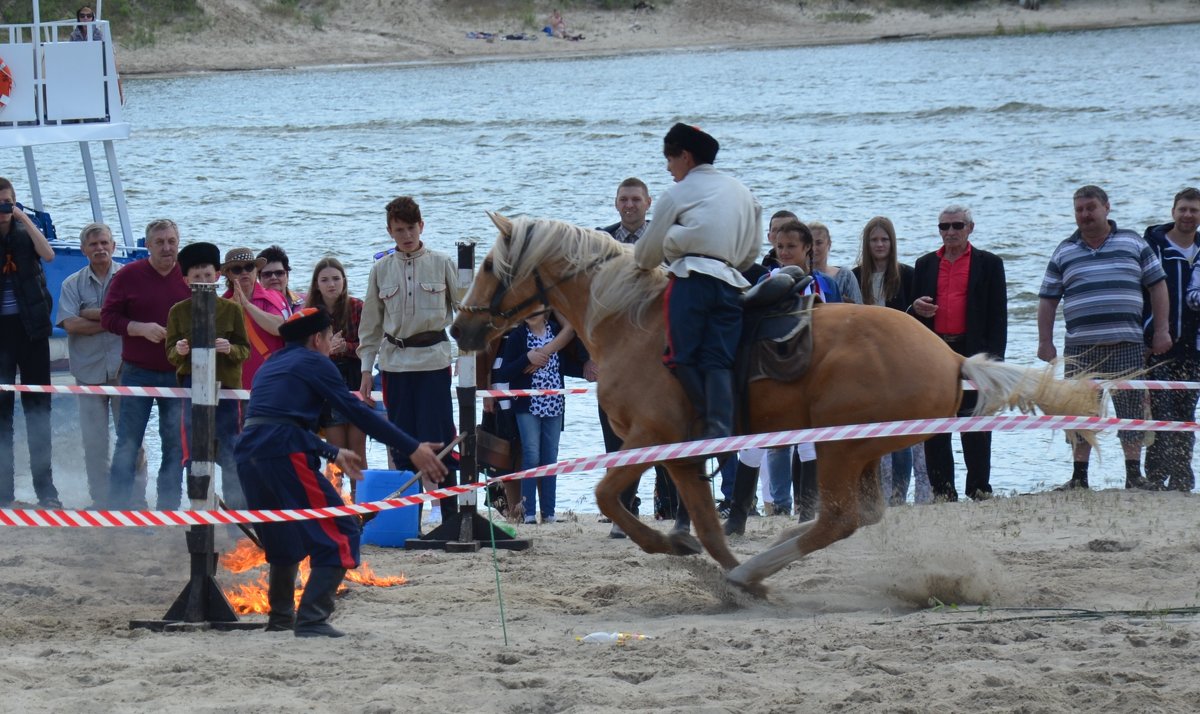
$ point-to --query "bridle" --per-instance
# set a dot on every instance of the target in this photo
(539, 297)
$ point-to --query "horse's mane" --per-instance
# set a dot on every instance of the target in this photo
(618, 287)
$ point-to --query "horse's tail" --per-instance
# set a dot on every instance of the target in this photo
(1002, 386)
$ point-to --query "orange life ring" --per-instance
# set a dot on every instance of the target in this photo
(6, 83)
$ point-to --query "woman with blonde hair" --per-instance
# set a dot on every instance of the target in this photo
(884, 280)
(329, 289)
(844, 279)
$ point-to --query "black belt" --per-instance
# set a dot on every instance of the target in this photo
(710, 257)
(953, 339)
(286, 421)
(421, 339)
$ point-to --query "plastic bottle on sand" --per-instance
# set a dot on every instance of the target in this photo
(608, 638)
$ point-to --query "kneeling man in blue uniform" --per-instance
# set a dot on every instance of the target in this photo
(279, 464)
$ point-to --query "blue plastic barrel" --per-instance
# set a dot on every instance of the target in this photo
(392, 527)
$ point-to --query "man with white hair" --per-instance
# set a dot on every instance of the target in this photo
(964, 300)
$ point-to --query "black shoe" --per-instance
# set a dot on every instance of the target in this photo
(723, 508)
(51, 502)
(316, 604)
(1072, 485)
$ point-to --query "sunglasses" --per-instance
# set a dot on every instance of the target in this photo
(956, 225)
(239, 269)
(268, 274)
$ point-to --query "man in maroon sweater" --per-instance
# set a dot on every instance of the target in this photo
(139, 298)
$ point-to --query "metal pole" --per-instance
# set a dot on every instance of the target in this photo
(35, 188)
(89, 174)
(114, 175)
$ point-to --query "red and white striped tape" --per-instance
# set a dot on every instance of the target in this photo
(645, 455)
(121, 391)
(510, 393)
(180, 392)
(183, 393)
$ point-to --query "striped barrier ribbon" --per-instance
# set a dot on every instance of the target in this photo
(184, 393)
(121, 391)
(645, 455)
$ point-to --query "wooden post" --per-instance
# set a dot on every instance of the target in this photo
(471, 530)
(201, 603)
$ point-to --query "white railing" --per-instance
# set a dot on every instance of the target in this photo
(60, 90)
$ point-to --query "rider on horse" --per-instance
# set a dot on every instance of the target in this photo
(706, 228)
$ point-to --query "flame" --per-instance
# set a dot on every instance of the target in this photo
(251, 598)
(243, 557)
(333, 473)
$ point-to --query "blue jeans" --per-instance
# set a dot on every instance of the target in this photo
(704, 322)
(228, 428)
(131, 430)
(539, 446)
(779, 467)
(729, 471)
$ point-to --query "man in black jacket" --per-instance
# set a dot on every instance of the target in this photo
(25, 305)
(632, 202)
(1169, 458)
(964, 299)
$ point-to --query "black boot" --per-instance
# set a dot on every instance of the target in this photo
(718, 403)
(804, 484)
(316, 604)
(281, 596)
(744, 486)
(692, 381)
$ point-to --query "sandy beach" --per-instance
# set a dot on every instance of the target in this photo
(239, 34)
(1042, 603)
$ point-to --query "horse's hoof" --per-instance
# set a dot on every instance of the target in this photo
(683, 543)
(750, 587)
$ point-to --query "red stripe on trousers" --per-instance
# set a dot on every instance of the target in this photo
(668, 358)
(316, 499)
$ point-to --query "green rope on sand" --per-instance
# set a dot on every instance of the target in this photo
(496, 568)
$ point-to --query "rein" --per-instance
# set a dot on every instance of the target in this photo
(540, 297)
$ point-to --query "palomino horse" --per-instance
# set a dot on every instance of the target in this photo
(869, 364)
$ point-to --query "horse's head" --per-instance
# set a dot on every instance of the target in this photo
(504, 291)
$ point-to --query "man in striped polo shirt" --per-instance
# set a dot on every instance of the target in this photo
(1098, 274)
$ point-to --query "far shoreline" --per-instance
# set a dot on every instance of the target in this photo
(594, 52)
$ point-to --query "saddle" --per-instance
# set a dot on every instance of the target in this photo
(776, 338)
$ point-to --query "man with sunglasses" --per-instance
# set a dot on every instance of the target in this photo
(964, 299)
(87, 29)
(139, 299)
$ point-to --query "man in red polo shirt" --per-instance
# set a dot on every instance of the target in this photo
(139, 298)
(964, 299)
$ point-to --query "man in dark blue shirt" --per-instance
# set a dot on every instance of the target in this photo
(279, 466)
